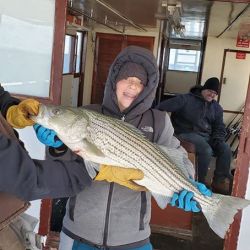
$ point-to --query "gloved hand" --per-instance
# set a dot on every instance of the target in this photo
(47, 136)
(185, 201)
(122, 176)
(18, 115)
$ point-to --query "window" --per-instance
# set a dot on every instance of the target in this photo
(184, 60)
(26, 46)
(72, 54)
(78, 52)
(194, 29)
(69, 51)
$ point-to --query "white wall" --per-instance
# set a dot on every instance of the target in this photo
(70, 86)
(89, 65)
(179, 81)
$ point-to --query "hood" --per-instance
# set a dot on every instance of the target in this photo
(196, 91)
(144, 101)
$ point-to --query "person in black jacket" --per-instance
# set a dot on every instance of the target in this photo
(198, 118)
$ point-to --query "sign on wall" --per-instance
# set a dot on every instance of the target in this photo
(243, 36)
(241, 55)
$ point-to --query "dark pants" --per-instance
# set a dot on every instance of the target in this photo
(204, 152)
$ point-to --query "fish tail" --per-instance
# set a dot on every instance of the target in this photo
(220, 214)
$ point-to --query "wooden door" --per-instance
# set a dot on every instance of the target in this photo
(145, 42)
(107, 48)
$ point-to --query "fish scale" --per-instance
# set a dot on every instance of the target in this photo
(99, 126)
(131, 140)
(106, 140)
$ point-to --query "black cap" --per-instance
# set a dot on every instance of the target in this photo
(131, 69)
(212, 83)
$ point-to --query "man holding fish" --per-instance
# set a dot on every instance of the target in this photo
(103, 214)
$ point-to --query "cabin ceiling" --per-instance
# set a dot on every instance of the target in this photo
(224, 13)
(143, 14)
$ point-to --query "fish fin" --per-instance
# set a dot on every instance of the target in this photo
(221, 215)
(156, 191)
(91, 168)
(161, 200)
(177, 158)
(90, 148)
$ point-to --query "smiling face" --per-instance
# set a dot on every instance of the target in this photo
(208, 94)
(127, 90)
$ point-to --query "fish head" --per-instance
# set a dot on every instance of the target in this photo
(54, 117)
(68, 123)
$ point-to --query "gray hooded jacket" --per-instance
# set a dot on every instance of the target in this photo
(107, 214)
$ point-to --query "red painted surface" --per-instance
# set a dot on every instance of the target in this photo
(171, 217)
(241, 55)
(73, 20)
(242, 42)
(45, 213)
(58, 51)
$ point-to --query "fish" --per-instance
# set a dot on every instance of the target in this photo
(101, 139)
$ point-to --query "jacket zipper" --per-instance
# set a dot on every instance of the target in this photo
(111, 188)
(106, 226)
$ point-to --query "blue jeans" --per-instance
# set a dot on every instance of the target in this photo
(83, 246)
(204, 152)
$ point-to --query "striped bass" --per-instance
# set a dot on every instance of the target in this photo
(105, 140)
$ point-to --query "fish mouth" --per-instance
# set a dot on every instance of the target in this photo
(40, 114)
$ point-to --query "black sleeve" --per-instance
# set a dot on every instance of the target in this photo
(218, 126)
(31, 179)
(173, 104)
(6, 100)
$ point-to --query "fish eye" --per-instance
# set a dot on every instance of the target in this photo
(56, 111)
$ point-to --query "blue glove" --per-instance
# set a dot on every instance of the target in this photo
(47, 136)
(184, 199)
